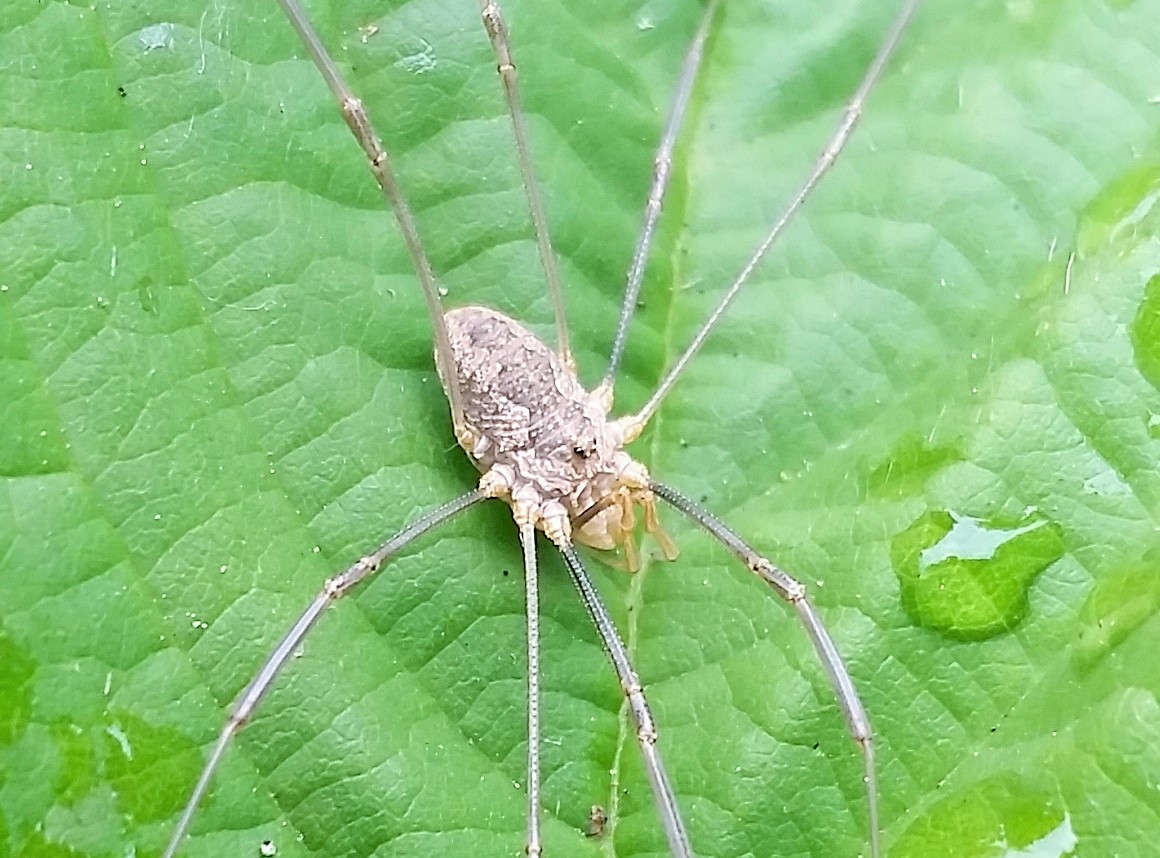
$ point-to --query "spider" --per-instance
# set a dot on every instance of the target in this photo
(550, 447)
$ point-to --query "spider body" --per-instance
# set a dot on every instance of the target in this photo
(544, 443)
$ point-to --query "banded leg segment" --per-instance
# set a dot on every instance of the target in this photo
(364, 133)
(794, 593)
(533, 846)
(829, 155)
(333, 590)
(662, 167)
(646, 730)
(497, 32)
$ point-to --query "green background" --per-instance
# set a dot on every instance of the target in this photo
(938, 404)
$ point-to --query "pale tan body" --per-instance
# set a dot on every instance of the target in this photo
(543, 442)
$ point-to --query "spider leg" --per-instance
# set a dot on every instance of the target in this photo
(533, 847)
(333, 590)
(364, 133)
(646, 729)
(829, 155)
(794, 593)
(662, 167)
(497, 32)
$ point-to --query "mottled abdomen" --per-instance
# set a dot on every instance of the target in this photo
(524, 407)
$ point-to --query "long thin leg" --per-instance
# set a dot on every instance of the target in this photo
(360, 125)
(497, 32)
(333, 590)
(793, 592)
(834, 147)
(533, 847)
(662, 167)
(646, 729)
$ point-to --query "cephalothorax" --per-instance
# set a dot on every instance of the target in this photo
(549, 447)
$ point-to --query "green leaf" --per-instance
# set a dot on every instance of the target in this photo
(936, 404)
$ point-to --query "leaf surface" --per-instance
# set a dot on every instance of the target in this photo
(937, 404)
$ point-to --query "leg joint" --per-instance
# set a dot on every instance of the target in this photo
(791, 589)
(333, 588)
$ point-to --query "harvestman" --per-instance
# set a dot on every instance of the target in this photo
(546, 446)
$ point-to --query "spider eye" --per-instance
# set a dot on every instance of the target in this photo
(582, 452)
